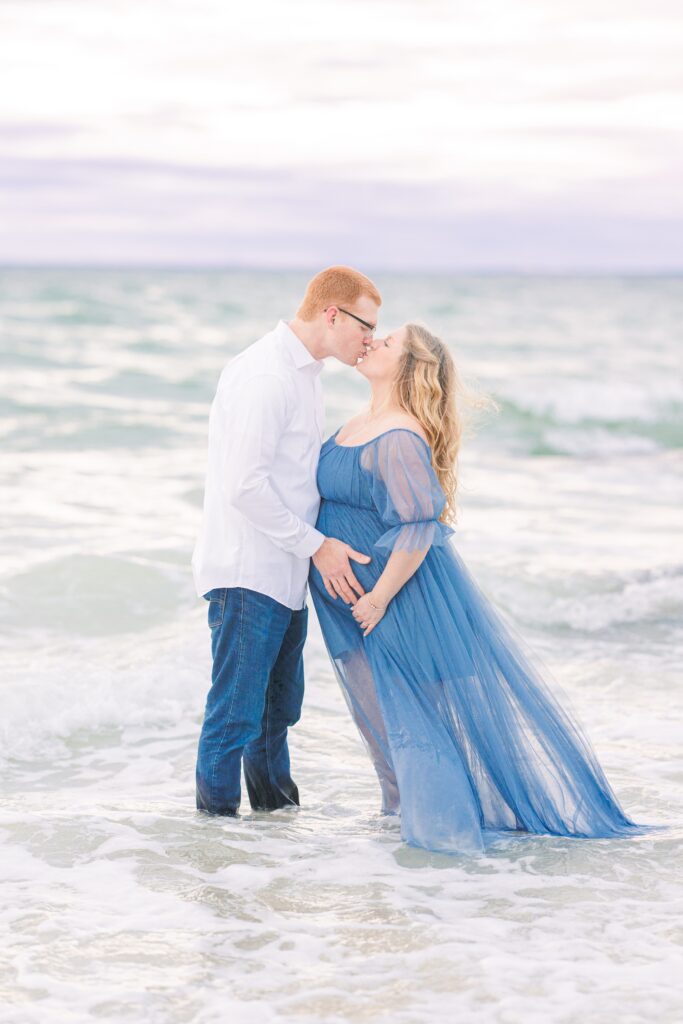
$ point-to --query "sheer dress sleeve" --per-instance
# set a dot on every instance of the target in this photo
(406, 492)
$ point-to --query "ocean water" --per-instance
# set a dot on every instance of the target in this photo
(121, 903)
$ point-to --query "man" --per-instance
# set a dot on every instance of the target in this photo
(251, 560)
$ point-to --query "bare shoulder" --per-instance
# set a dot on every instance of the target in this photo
(358, 430)
(404, 421)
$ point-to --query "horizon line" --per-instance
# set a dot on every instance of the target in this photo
(503, 271)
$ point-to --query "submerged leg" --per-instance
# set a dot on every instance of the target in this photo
(266, 758)
(358, 686)
(247, 629)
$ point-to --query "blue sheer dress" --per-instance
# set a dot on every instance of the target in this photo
(467, 740)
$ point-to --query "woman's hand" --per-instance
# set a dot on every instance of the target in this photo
(367, 612)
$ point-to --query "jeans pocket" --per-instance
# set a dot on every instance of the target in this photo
(216, 606)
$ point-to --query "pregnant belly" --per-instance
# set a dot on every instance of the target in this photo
(358, 527)
(350, 524)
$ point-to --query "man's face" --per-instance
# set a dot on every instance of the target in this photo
(348, 337)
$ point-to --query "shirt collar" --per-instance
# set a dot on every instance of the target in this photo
(298, 352)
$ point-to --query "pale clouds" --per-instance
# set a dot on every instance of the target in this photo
(412, 132)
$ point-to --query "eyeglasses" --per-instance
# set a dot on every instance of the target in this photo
(371, 328)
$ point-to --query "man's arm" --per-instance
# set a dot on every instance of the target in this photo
(254, 420)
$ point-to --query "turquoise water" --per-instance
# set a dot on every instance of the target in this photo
(121, 903)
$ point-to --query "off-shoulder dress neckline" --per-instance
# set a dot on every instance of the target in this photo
(384, 433)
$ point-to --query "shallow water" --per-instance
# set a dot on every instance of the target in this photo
(121, 903)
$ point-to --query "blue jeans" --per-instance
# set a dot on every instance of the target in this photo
(257, 688)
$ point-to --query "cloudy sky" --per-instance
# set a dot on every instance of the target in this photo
(410, 134)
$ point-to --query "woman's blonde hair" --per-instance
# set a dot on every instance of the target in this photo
(430, 388)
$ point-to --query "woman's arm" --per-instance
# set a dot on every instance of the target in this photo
(369, 609)
(409, 500)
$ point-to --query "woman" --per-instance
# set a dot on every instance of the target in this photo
(465, 737)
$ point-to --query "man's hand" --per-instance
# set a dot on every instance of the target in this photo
(332, 562)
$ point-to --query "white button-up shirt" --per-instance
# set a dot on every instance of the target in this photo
(261, 499)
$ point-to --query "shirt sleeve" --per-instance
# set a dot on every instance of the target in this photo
(406, 492)
(253, 422)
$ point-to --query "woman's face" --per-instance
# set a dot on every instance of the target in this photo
(382, 359)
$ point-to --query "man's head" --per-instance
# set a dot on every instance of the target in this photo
(340, 309)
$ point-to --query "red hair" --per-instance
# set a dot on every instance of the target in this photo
(335, 286)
